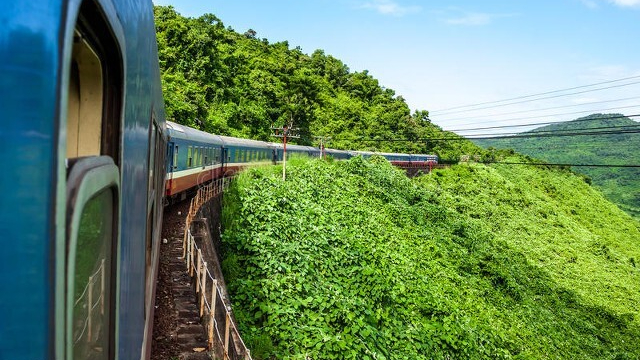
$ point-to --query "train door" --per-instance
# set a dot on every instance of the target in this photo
(88, 299)
(172, 155)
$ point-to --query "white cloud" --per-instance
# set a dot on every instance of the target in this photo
(626, 3)
(476, 19)
(390, 7)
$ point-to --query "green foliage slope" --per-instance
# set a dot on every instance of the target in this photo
(620, 185)
(228, 83)
(352, 260)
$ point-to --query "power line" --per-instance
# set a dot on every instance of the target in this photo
(534, 133)
(542, 98)
(538, 94)
(486, 137)
(544, 109)
(561, 164)
(553, 115)
(549, 123)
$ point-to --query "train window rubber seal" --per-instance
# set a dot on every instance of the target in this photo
(88, 178)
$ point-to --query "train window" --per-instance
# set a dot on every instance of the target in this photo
(175, 158)
(84, 114)
(189, 156)
(92, 223)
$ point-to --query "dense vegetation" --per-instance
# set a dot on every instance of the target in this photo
(236, 84)
(620, 185)
(353, 260)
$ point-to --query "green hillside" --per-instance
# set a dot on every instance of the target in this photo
(620, 185)
(353, 260)
(230, 83)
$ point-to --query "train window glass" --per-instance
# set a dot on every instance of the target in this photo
(175, 158)
(189, 156)
(85, 100)
(92, 224)
(93, 258)
(195, 156)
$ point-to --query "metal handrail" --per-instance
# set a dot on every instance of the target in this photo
(197, 267)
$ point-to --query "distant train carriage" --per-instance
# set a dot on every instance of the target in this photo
(339, 154)
(244, 152)
(193, 157)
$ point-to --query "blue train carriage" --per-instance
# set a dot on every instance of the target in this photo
(300, 150)
(193, 157)
(240, 153)
(292, 149)
(82, 141)
(339, 154)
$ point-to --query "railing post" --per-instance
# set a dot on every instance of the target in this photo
(227, 324)
(192, 254)
(188, 250)
(102, 288)
(89, 307)
(203, 293)
(199, 258)
(212, 315)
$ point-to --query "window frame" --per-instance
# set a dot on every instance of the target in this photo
(88, 177)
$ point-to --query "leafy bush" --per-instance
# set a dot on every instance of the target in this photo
(353, 260)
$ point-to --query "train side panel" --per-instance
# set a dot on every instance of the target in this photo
(82, 125)
(30, 75)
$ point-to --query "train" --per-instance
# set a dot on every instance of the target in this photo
(89, 162)
(83, 141)
(195, 157)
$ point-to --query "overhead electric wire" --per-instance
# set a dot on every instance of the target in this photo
(562, 131)
(490, 137)
(544, 109)
(543, 98)
(554, 115)
(548, 123)
(561, 164)
(541, 94)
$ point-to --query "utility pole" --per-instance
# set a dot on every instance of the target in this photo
(323, 141)
(284, 133)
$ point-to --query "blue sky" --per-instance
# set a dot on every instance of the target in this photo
(443, 54)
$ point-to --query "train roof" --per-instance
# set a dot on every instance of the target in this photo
(184, 132)
(295, 147)
(328, 150)
(228, 140)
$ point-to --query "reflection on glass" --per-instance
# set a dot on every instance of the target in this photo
(92, 278)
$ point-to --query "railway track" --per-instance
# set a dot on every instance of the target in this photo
(177, 332)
